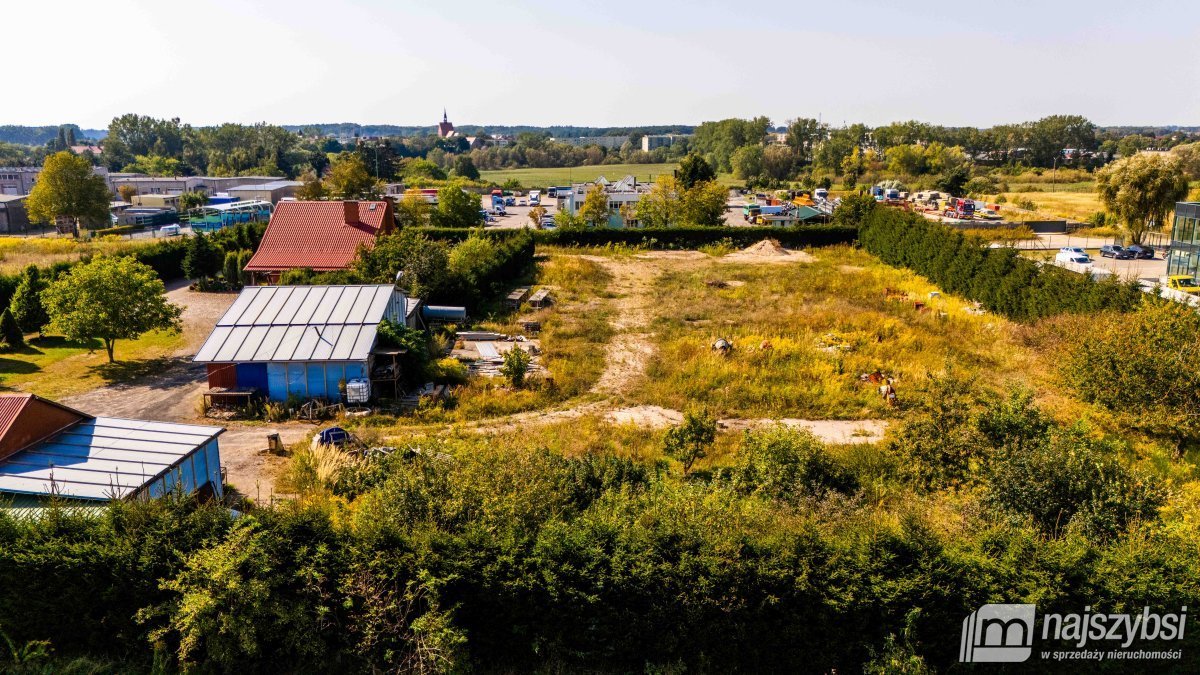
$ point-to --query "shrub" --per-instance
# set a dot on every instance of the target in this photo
(691, 440)
(1071, 481)
(786, 464)
(515, 366)
(12, 335)
(689, 238)
(26, 305)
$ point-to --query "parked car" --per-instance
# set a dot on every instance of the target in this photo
(169, 231)
(1072, 254)
(1115, 252)
(1142, 252)
(510, 201)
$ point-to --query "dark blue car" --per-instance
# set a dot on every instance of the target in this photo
(1142, 252)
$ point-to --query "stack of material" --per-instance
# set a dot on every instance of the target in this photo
(479, 335)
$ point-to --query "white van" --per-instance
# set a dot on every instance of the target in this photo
(169, 231)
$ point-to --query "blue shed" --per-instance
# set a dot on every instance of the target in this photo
(304, 341)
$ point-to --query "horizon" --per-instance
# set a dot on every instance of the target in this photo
(942, 63)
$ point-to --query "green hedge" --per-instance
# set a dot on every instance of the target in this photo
(999, 278)
(670, 237)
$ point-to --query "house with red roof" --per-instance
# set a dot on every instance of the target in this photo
(321, 236)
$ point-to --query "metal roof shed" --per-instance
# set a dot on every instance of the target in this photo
(108, 458)
(305, 341)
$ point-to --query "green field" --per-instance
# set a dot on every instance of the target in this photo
(532, 178)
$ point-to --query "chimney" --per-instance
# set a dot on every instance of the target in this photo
(350, 209)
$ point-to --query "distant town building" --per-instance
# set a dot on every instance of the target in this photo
(444, 128)
(654, 141)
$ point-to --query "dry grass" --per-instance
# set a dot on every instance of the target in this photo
(16, 253)
(1051, 205)
(823, 324)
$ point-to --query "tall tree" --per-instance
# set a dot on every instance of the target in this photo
(694, 169)
(110, 298)
(201, 260)
(192, 199)
(595, 210)
(349, 179)
(1141, 190)
(67, 187)
(804, 135)
(465, 168)
(457, 207)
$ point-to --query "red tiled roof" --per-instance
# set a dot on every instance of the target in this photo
(316, 235)
(26, 419)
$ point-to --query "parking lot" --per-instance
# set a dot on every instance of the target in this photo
(1150, 271)
(517, 217)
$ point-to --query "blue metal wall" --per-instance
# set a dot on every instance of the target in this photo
(309, 379)
(252, 375)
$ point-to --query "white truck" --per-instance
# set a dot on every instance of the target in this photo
(535, 197)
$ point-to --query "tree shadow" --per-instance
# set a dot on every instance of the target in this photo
(17, 366)
(128, 371)
(38, 344)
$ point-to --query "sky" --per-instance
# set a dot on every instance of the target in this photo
(600, 62)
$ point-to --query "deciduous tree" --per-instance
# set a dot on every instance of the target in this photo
(1141, 190)
(110, 298)
(67, 187)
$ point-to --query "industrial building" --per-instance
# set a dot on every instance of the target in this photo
(226, 214)
(273, 192)
(623, 193)
(168, 185)
(303, 341)
(13, 217)
(51, 452)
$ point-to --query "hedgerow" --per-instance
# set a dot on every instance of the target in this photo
(999, 278)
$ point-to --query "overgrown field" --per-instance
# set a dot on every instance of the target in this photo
(1078, 205)
(16, 253)
(804, 332)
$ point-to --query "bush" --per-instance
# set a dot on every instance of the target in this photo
(785, 464)
(10, 332)
(1071, 482)
(515, 366)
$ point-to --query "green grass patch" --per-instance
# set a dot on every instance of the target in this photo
(55, 367)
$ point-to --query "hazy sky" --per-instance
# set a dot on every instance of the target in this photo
(599, 62)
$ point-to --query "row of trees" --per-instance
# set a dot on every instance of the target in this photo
(999, 278)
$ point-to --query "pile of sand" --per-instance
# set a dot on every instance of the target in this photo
(767, 248)
(768, 251)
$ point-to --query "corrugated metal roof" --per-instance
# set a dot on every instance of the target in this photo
(316, 235)
(101, 458)
(299, 323)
